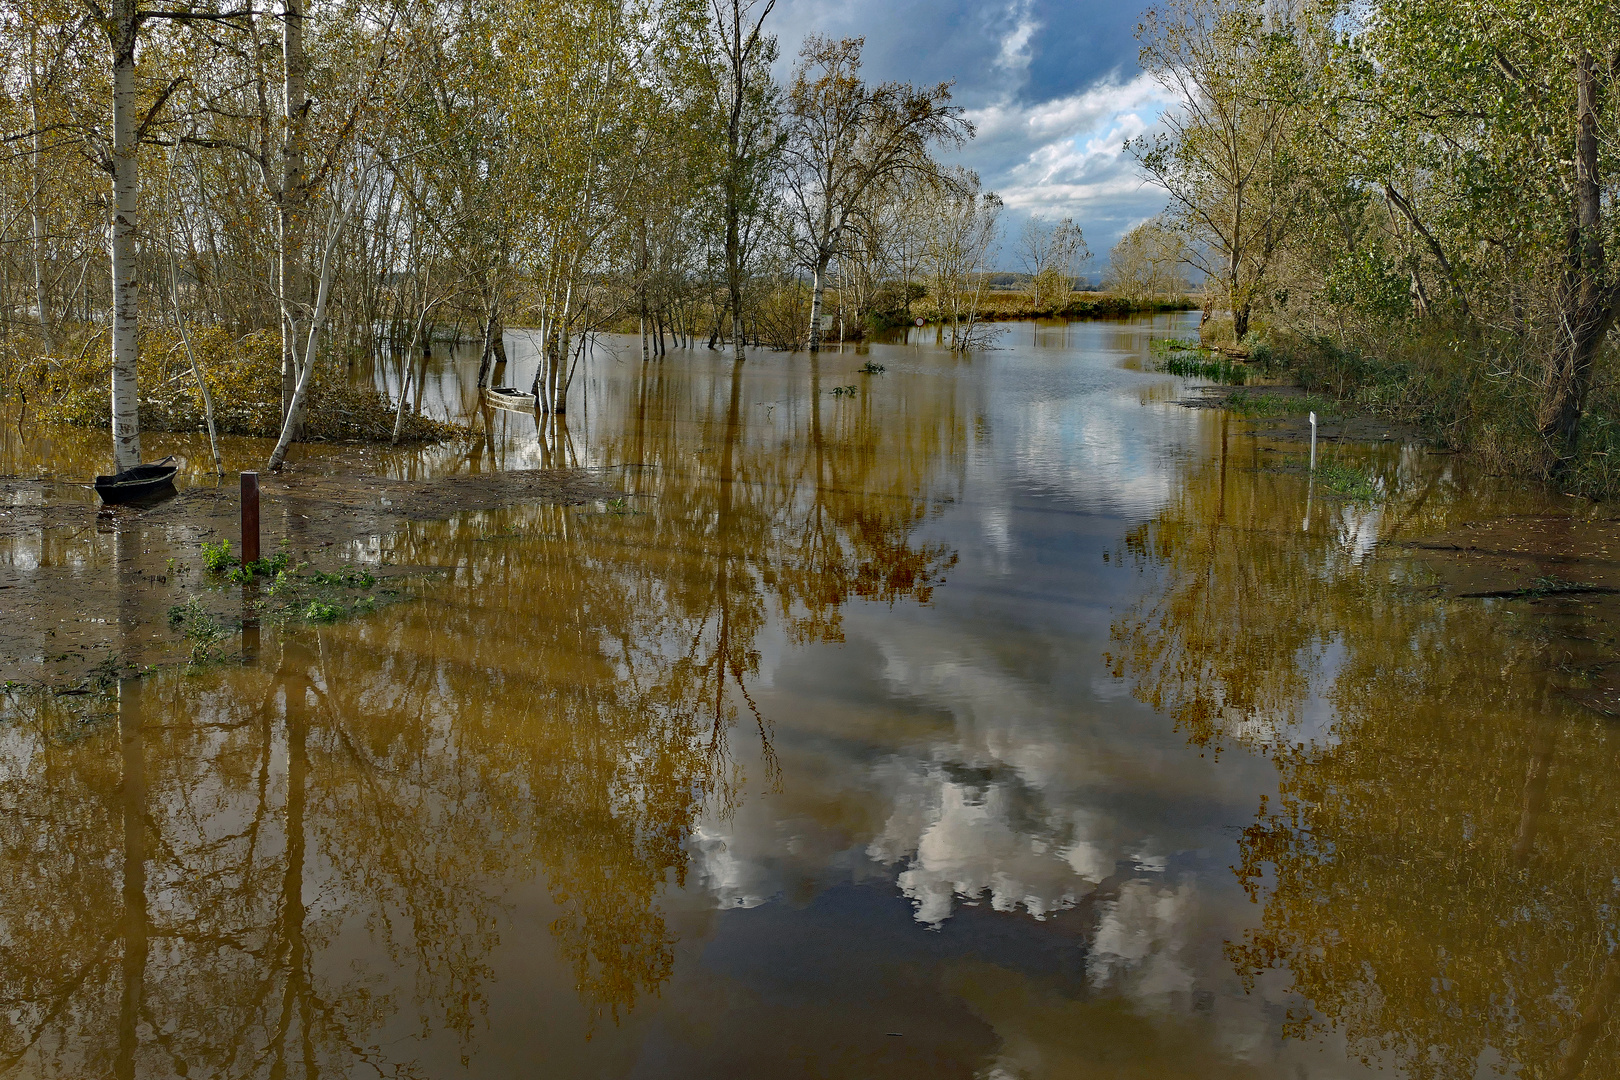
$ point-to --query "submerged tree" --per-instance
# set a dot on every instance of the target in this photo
(1051, 253)
(1228, 158)
(965, 229)
(1147, 263)
(738, 63)
(845, 140)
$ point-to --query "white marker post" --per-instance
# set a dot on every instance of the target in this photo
(1310, 479)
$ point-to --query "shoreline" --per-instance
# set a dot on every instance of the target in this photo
(104, 602)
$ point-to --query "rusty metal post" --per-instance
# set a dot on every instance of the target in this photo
(250, 517)
(250, 553)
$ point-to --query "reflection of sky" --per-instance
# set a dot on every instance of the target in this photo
(968, 779)
(975, 759)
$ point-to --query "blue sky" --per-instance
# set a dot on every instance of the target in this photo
(1053, 87)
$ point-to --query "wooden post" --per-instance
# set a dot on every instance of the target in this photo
(250, 517)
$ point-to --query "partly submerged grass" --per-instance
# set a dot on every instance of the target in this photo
(1187, 358)
(1221, 369)
(1349, 482)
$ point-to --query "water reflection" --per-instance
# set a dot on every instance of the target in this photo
(1438, 868)
(286, 858)
(802, 758)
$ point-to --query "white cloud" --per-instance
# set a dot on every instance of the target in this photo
(1071, 116)
(1015, 53)
(1140, 939)
(963, 841)
(1066, 156)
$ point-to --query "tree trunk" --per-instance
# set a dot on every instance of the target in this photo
(734, 179)
(294, 419)
(485, 362)
(1586, 296)
(818, 288)
(558, 397)
(291, 200)
(494, 347)
(719, 322)
(1234, 272)
(734, 288)
(36, 209)
(1240, 321)
(126, 427)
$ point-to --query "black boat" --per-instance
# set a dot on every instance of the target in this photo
(139, 484)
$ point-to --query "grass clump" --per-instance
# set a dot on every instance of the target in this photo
(1348, 482)
(320, 611)
(273, 566)
(1191, 360)
(348, 578)
(217, 558)
(294, 593)
(200, 628)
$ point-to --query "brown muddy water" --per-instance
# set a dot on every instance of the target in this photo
(999, 719)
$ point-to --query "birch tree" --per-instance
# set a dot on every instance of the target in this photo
(1051, 253)
(966, 231)
(121, 22)
(1228, 159)
(845, 140)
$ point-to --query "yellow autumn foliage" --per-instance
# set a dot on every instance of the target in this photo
(243, 375)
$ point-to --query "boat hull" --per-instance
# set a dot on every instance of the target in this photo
(505, 397)
(143, 483)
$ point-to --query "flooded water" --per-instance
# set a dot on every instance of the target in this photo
(1000, 718)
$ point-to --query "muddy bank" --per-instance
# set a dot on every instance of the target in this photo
(1549, 560)
(1558, 574)
(1282, 411)
(87, 589)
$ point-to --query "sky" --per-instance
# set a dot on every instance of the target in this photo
(1053, 87)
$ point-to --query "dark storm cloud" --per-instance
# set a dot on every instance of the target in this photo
(1078, 45)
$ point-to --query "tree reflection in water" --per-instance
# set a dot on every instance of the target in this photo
(1439, 875)
(253, 869)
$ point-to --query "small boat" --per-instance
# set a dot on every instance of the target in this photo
(509, 397)
(138, 484)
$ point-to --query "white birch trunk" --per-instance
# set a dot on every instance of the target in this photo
(295, 412)
(291, 199)
(36, 209)
(126, 427)
(557, 401)
(294, 419)
(818, 288)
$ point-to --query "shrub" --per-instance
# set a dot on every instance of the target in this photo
(217, 557)
(243, 375)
